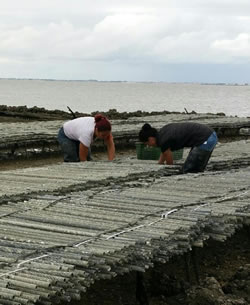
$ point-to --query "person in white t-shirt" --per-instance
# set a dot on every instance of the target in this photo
(76, 137)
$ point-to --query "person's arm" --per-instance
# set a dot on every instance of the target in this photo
(166, 156)
(110, 147)
(83, 152)
(162, 159)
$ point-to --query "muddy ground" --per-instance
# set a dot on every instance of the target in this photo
(223, 274)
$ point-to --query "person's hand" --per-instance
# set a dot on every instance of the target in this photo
(83, 152)
(111, 147)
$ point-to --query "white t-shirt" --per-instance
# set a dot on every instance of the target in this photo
(80, 129)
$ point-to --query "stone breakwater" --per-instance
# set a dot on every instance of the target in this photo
(65, 227)
(37, 113)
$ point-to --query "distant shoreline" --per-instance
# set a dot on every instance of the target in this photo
(123, 81)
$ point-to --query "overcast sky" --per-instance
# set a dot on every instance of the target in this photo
(134, 40)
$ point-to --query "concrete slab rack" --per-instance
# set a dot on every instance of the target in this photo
(20, 140)
(63, 177)
(64, 227)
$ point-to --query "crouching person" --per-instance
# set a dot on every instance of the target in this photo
(76, 137)
(174, 136)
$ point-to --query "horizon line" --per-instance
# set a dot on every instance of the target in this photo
(125, 81)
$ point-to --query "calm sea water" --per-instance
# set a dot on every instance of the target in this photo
(125, 96)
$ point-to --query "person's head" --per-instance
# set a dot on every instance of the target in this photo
(102, 127)
(148, 135)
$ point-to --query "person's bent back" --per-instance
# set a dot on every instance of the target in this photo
(200, 138)
(76, 137)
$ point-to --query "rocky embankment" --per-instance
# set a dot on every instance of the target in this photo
(23, 113)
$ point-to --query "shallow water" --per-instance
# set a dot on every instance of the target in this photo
(90, 96)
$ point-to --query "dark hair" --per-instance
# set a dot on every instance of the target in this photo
(102, 123)
(146, 132)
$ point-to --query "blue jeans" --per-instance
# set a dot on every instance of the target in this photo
(199, 156)
(70, 148)
(209, 145)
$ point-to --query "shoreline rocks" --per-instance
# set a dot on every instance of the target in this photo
(37, 113)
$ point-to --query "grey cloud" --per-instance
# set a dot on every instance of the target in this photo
(136, 33)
